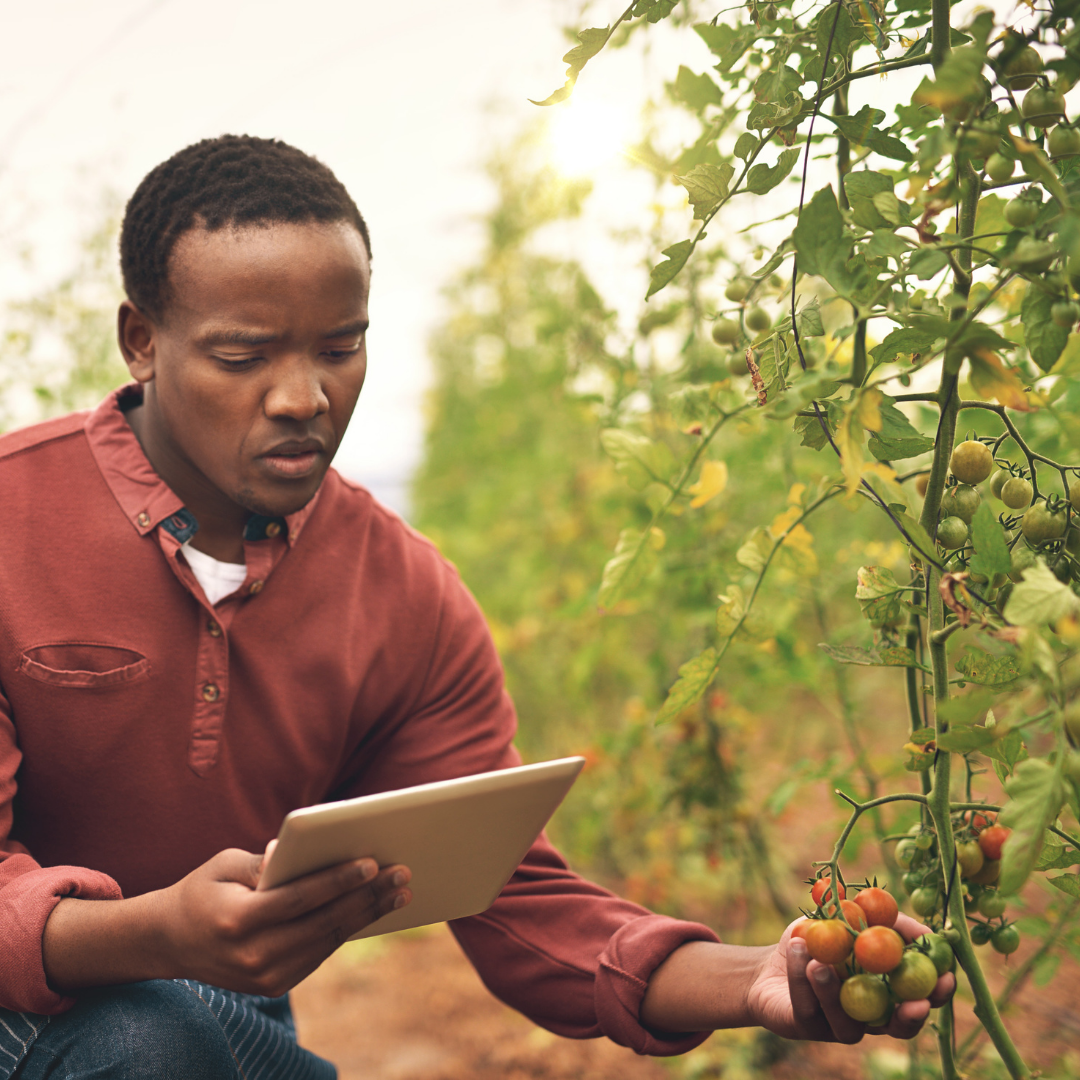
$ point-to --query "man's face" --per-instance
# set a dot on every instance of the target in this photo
(255, 369)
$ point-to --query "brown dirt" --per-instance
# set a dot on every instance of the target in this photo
(410, 1007)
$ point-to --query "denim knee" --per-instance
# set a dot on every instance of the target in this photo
(158, 1030)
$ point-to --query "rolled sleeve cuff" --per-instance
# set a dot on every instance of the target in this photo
(28, 895)
(634, 952)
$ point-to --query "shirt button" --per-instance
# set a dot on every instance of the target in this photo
(210, 692)
(255, 587)
(273, 528)
(215, 630)
(143, 519)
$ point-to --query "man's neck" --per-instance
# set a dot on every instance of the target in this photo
(221, 521)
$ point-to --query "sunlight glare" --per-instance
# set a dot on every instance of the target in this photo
(586, 135)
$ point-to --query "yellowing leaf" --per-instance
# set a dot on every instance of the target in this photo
(783, 521)
(714, 477)
(990, 378)
(868, 409)
(795, 495)
(849, 443)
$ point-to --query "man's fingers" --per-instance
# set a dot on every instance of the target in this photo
(804, 1002)
(298, 898)
(943, 991)
(907, 1019)
(910, 929)
(826, 988)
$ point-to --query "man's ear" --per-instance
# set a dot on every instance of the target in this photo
(135, 334)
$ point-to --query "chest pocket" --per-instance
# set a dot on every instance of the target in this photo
(84, 664)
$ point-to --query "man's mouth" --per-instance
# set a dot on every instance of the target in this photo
(294, 459)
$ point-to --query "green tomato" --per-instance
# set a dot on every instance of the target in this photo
(1072, 541)
(1042, 107)
(726, 332)
(1021, 213)
(924, 901)
(998, 481)
(992, 904)
(757, 320)
(1021, 558)
(1040, 523)
(952, 533)
(1065, 313)
(1016, 493)
(1064, 141)
(980, 141)
(905, 853)
(1021, 70)
(1062, 568)
(737, 363)
(980, 933)
(970, 857)
(961, 501)
(915, 978)
(864, 997)
(911, 881)
(939, 950)
(1005, 940)
(999, 168)
(924, 841)
(738, 289)
(971, 462)
(1074, 493)
(1033, 256)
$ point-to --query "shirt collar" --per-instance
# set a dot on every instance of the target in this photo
(146, 500)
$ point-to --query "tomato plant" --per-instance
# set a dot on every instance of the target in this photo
(913, 294)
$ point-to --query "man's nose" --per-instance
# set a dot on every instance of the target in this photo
(297, 392)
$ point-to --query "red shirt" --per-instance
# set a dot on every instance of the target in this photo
(143, 730)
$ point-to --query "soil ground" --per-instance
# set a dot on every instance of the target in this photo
(410, 1007)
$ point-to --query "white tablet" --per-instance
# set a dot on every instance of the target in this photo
(462, 839)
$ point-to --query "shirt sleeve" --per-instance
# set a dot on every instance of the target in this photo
(28, 894)
(571, 956)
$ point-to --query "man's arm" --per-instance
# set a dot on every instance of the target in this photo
(703, 986)
(215, 927)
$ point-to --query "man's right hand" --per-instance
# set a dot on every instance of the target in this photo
(214, 926)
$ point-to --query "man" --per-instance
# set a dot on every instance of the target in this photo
(203, 627)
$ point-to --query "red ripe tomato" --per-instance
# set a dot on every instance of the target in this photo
(821, 887)
(878, 906)
(991, 839)
(828, 941)
(799, 929)
(854, 914)
(879, 950)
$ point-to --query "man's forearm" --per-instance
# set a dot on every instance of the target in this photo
(703, 986)
(104, 943)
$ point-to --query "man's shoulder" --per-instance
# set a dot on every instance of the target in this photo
(50, 437)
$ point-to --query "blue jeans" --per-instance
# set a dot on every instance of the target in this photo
(161, 1030)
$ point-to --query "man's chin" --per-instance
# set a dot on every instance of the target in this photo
(274, 505)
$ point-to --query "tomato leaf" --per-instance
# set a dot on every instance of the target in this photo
(991, 552)
(822, 243)
(1045, 340)
(879, 596)
(754, 550)
(981, 667)
(591, 41)
(1036, 795)
(694, 90)
(1067, 883)
(635, 557)
(1040, 599)
(707, 187)
(894, 656)
(639, 460)
(917, 535)
(908, 341)
(763, 178)
(663, 273)
(897, 439)
(694, 679)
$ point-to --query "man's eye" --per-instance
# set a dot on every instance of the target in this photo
(237, 365)
(342, 354)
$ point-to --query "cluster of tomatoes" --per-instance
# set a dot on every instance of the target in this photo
(876, 967)
(978, 865)
(1042, 527)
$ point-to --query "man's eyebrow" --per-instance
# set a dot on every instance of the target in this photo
(237, 337)
(359, 326)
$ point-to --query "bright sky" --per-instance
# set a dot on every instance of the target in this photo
(395, 98)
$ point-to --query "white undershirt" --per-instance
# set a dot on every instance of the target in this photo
(218, 579)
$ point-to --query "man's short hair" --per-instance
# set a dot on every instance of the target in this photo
(233, 180)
